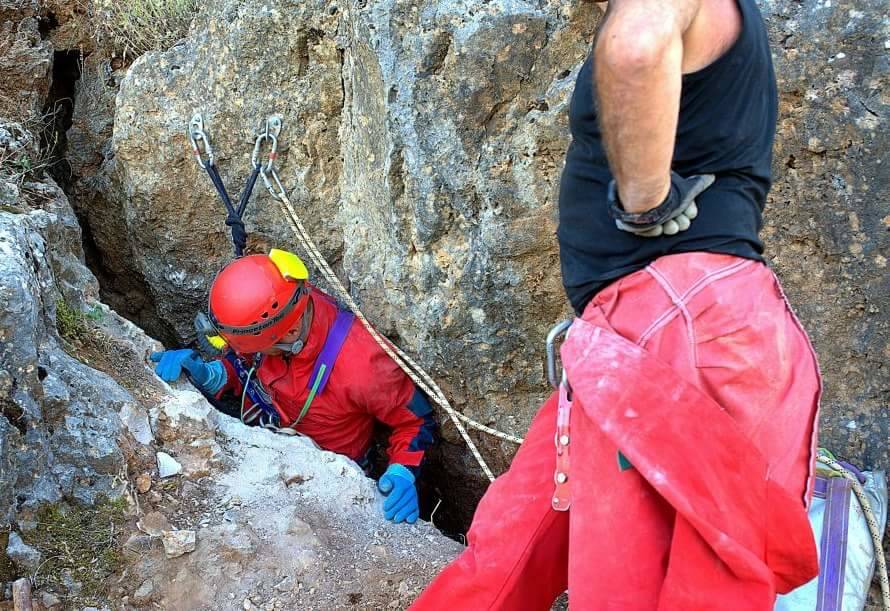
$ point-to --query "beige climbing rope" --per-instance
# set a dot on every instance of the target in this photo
(870, 520)
(408, 365)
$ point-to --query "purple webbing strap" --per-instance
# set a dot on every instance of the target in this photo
(833, 547)
(331, 349)
(820, 490)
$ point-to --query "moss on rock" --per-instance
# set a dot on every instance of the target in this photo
(79, 544)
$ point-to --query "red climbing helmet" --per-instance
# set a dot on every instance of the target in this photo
(258, 299)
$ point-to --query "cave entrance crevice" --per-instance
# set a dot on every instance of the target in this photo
(121, 286)
(58, 115)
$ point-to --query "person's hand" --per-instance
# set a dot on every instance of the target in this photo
(673, 215)
(401, 500)
(209, 376)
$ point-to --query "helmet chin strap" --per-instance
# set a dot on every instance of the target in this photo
(297, 346)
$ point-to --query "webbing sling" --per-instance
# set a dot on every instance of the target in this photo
(326, 359)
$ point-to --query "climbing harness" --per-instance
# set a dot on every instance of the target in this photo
(562, 498)
(262, 410)
(324, 364)
(198, 138)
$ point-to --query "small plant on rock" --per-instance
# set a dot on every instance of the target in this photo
(71, 323)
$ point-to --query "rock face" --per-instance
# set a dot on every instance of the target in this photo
(828, 218)
(26, 60)
(423, 144)
(59, 426)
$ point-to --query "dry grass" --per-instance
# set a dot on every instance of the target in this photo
(22, 159)
(134, 27)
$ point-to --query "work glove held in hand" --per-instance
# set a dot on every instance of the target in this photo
(209, 376)
(401, 500)
(673, 215)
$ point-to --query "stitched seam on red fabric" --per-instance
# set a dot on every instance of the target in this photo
(680, 303)
(718, 274)
(665, 317)
(697, 287)
(811, 480)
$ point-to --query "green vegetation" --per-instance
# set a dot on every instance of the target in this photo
(71, 323)
(134, 27)
(95, 314)
(83, 542)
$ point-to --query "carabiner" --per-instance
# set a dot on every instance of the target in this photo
(281, 194)
(558, 330)
(272, 130)
(196, 135)
(273, 152)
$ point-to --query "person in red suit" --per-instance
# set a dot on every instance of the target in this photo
(300, 364)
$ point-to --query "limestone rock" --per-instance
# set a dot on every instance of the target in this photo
(10, 446)
(178, 542)
(23, 555)
(184, 416)
(144, 593)
(50, 600)
(167, 465)
(60, 424)
(136, 420)
(26, 61)
(307, 545)
(153, 524)
(138, 545)
(143, 483)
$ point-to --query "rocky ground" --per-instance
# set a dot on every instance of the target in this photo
(258, 520)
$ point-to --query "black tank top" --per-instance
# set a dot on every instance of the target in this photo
(726, 127)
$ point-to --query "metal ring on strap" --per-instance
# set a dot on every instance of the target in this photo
(301, 290)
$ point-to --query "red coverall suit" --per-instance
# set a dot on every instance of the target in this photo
(365, 385)
(698, 371)
(687, 359)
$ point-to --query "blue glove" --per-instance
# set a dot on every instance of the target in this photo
(401, 500)
(209, 376)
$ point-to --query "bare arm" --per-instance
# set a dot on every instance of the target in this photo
(638, 60)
